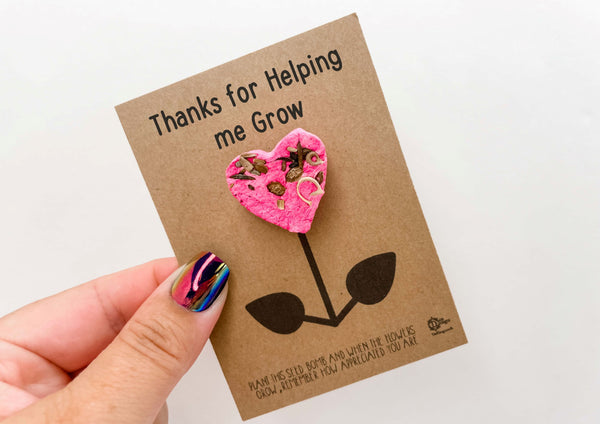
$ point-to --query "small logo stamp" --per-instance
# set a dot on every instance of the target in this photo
(435, 325)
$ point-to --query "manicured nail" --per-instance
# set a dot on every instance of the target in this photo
(200, 282)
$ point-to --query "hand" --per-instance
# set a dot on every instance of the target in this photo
(111, 350)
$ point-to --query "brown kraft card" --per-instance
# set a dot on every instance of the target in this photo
(363, 291)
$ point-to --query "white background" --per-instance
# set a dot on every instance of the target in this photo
(496, 105)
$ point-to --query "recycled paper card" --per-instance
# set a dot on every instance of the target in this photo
(363, 291)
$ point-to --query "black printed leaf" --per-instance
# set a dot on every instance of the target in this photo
(281, 313)
(370, 281)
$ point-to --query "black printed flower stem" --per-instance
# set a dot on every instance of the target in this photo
(333, 320)
(317, 274)
(346, 309)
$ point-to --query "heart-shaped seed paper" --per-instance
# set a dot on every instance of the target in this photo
(283, 186)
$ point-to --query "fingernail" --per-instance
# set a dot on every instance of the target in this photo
(200, 282)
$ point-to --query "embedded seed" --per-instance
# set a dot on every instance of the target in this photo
(291, 149)
(241, 176)
(248, 155)
(276, 188)
(246, 164)
(255, 172)
(319, 177)
(313, 158)
(314, 193)
(283, 165)
(251, 187)
(261, 168)
(293, 174)
(259, 162)
(238, 164)
(300, 155)
(281, 204)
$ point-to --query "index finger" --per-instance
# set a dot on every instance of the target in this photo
(71, 328)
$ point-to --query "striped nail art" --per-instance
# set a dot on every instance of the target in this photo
(200, 282)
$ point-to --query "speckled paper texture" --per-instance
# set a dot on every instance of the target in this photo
(298, 186)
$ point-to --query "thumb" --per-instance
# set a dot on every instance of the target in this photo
(131, 379)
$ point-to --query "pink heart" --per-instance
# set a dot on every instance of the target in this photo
(288, 198)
